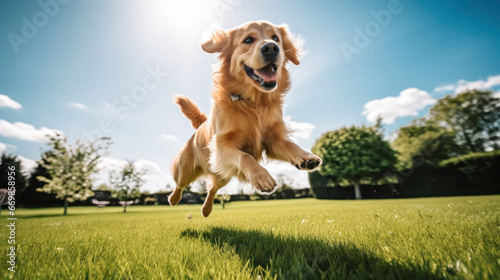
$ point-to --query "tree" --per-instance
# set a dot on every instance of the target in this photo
(7, 160)
(126, 183)
(474, 118)
(102, 187)
(70, 168)
(354, 155)
(420, 143)
(11, 174)
(30, 196)
(223, 198)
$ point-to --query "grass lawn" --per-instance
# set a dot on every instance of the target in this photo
(427, 238)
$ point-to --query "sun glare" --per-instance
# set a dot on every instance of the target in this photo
(177, 16)
(160, 23)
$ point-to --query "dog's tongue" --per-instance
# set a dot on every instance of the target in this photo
(267, 73)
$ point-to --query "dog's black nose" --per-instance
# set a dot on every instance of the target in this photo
(270, 48)
(270, 51)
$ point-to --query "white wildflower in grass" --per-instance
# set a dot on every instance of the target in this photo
(304, 221)
(390, 232)
(59, 249)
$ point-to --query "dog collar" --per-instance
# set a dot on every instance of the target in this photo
(236, 97)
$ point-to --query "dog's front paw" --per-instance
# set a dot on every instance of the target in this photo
(263, 181)
(307, 162)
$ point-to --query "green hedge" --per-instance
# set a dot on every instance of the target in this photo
(473, 158)
(472, 174)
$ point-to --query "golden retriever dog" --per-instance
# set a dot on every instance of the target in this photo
(246, 118)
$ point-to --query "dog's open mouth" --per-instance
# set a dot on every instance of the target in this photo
(265, 76)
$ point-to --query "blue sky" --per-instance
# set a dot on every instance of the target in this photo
(111, 67)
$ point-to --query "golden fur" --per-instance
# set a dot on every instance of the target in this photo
(232, 141)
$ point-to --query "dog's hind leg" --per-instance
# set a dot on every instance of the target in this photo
(185, 171)
(183, 181)
(213, 186)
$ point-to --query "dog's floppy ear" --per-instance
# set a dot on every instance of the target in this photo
(217, 41)
(291, 43)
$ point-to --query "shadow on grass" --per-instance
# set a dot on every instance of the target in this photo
(271, 255)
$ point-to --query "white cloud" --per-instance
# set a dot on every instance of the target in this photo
(111, 164)
(26, 131)
(496, 94)
(463, 85)
(169, 137)
(77, 105)
(27, 165)
(297, 179)
(5, 101)
(444, 88)
(408, 103)
(302, 130)
(492, 81)
(154, 179)
(147, 165)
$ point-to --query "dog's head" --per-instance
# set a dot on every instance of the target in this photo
(255, 53)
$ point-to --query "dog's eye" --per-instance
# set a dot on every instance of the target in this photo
(248, 40)
(275, 38)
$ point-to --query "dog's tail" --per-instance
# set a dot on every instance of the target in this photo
(190, 110)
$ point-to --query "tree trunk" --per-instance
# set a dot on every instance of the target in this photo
(65, 206)
(125, 207)
(357, 190)
(223, 204)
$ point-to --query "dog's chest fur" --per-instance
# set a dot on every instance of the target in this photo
(261, 123)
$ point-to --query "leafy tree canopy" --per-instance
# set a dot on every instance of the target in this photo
(127, 182)
(420, 143)
(474, 118)
(355, 154)
(70, 168)
(456, 125)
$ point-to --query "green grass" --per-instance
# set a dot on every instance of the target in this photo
(430, 238)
